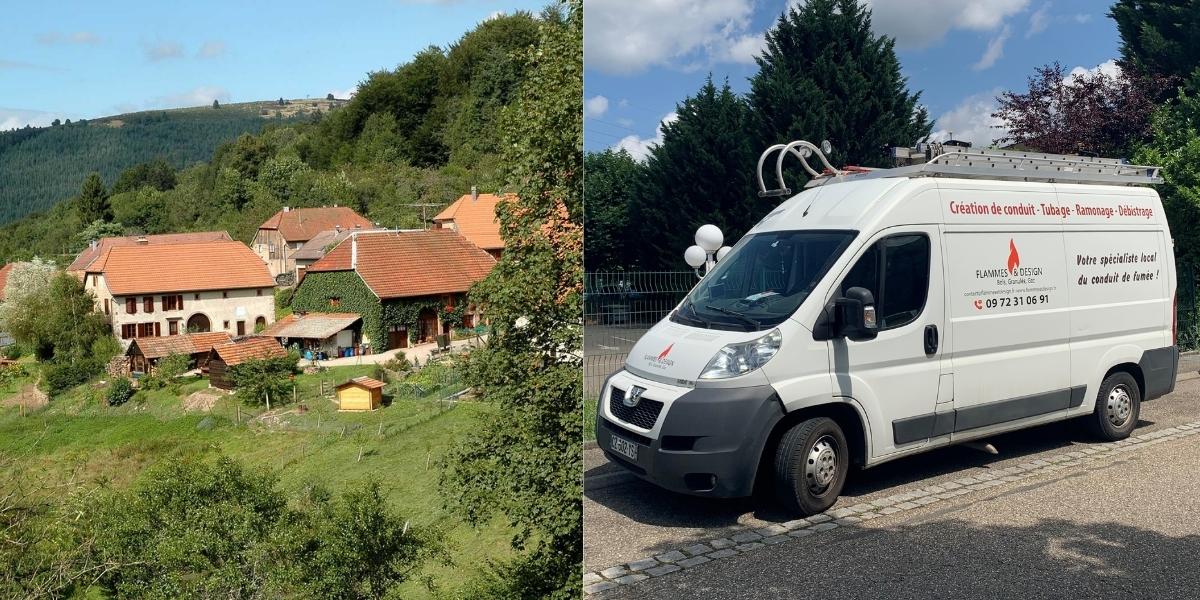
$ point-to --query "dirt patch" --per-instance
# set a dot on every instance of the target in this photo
(202, 401)
(29, 395)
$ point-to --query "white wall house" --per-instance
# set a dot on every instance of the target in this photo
(152, 291)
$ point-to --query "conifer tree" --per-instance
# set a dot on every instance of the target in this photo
(93, 200)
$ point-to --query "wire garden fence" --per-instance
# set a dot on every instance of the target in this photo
(618, 307)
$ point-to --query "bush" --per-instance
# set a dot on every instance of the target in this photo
(120, 392)
(399, 364)
(59, 377)
(12, 373)
(283, 298)
(13, 352)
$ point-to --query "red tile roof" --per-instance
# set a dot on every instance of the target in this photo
(192, 343)
(406, 264)
(311, 326)
(4, 271)
(303, 224)
(240, 351)
(366, 382)
(89, 254)
(475, 219)
(181, 268)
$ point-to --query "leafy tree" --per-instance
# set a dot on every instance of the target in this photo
(158, 174)
(120, 392)
(55, 123)
(703, 172)
(329, 96)
(98, 230)
(825, 76)
(93, 200)
(57, 319)
(216, 104)
(1158, 39)
(1175, 145)
(612, 178)
(524, 462)
(258, 378)
(1082, 113)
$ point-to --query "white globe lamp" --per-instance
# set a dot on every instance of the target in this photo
(695, 256)
(709, 238)
(722, 252)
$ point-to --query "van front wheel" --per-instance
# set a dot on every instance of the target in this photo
(810, 466)
(1118, 405)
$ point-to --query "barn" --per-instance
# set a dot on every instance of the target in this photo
(360, 394)
(231, 354)
(144, 353)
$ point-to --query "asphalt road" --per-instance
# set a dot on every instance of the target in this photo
(1129, 529)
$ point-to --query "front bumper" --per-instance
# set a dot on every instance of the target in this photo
(706, 441)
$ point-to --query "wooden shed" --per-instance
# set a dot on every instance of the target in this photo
(144, 353)
(360, 394)
(230, 354)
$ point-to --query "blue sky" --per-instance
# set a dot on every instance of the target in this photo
(644, 56)
(89, 59)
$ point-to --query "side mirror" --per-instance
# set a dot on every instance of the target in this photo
(856, 319)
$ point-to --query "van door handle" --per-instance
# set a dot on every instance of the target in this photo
(931, 340)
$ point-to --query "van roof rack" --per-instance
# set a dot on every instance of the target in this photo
(943, 160)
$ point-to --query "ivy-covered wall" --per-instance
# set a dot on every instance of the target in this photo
(315, 292)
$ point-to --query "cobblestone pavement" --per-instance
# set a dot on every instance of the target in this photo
(644, 542)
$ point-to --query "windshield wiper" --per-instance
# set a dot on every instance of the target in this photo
(696, 317)
(734, 313)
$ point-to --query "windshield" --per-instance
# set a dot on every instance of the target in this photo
(763, 280)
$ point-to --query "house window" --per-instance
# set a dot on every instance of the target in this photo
(225, 325)
(172, 327)
(224, 294)
(168, 303)
(468, 321)
(335, 302)
(148, 304)
(195, 296)
(241, 328)
(95, 278)
(131, 306)
(128, 331)
(145, 329)
(106, 307)
(259, 292)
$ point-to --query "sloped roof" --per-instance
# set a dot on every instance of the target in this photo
(310, 326)
(181, 268)
(366, 382)
(475, 219)
(302, 224)
(239, 351)
(90, 254)
(4, 271)
(191, 343)
(314, 249)
(405, 264)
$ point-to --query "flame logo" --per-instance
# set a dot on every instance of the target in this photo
(1014, 259)
(666, 352)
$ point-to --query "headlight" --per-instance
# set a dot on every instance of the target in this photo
(739, 359)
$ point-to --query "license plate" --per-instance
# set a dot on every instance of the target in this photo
(623, 447)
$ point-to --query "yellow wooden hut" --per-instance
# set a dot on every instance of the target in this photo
(360, 394)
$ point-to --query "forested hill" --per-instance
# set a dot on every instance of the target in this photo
(413, 139)
(42, 165)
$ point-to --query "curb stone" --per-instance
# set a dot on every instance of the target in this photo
(748, 540)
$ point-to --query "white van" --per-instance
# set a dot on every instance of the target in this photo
(883, 313)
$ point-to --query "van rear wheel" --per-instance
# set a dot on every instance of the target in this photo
(811, 463)
(1118, 405)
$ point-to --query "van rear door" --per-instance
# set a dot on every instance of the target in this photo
(895, 377)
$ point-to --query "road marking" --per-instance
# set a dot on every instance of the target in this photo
(724, 547)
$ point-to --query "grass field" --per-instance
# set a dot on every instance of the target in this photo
(400, 445)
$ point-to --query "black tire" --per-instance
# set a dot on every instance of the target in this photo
(1118, 405)
(808, 491)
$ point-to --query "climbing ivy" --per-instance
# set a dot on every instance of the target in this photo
(317, 289)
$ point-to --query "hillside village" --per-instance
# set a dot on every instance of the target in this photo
(324, 283)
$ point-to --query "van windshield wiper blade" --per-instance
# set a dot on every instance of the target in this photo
(696, 316)
(734, 313)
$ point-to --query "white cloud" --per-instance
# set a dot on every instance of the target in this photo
(595, 107)
(639, 147)
(51, 38)
(1039, 20)
(16, 118)
(629, 36)
(921, 23)
(993, 52)
(971, 120)
(162, 51)
(1108, 67)
(211, 49)
(344, 94)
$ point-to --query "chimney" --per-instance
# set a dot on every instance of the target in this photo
(354, 251)
(474, 194)
(337, 228)
(93, 244)
(142, 241)
(287, 209)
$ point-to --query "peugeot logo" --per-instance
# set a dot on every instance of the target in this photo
(634, 396)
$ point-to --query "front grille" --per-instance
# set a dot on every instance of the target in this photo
(644, 415)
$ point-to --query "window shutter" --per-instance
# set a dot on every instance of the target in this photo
(131, 306)
(180, 302)
(157, 329)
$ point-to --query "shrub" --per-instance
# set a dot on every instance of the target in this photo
(120, 392)
(61, 376)
(13, 352)
(399, 364)
(283, 298)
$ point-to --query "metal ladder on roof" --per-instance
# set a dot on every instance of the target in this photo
(939, 160)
